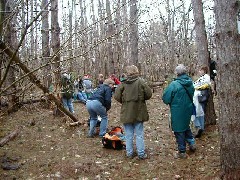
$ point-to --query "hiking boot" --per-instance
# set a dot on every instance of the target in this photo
(145, 156)
(180, 155)
(90, 136)
(199, 133)
(131, 156)
(192, 148)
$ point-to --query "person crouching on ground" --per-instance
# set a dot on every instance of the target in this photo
(132, 94)
(98, 105)
(179, 95)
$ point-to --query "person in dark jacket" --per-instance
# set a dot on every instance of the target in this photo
(98, 105)
(67, 90)
(179, 95)
(132, 93)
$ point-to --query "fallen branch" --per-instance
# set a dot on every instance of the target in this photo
(9, 137)
(75, 123)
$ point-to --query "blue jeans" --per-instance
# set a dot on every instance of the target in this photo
(96, 108)
(82, 96)
(199, 122)
(182, 138)
(67, 103)
(130, 128)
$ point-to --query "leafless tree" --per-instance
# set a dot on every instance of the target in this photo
(228, 52)
(134, 32)
(203, 54)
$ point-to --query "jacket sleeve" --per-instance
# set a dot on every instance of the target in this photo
(147, 91)
(108, 98)
(118, 93)
(168, 94)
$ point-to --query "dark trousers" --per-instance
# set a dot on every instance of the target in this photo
(182, 138)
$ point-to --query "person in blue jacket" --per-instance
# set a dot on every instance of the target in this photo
(97, 105)
(179, 95)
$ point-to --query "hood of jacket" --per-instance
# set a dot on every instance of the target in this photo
(131, 79)
(184, 80)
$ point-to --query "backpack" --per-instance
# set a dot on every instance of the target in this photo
(114, 139)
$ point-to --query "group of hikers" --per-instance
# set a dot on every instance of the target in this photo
(185, 98)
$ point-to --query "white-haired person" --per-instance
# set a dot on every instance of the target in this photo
(179, 96)
(132, 93)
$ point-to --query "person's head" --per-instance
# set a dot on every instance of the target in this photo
(180, 69)
(86, 76)
(109, 82)
(100, 76)
(203, 70)
(64, 71)
(123, 77)
(132, 70)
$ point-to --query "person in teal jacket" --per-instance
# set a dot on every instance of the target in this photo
(179, 95)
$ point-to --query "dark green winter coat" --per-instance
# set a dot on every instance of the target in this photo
(67, 87)
(132, 94)
(181, 105)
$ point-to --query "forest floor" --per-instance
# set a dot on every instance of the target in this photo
(48, 148)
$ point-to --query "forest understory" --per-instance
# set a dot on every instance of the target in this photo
(47, 147)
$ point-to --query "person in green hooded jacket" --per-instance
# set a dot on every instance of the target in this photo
(179, 95)
(132, 93)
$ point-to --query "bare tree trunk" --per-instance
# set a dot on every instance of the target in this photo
(170, 36)
(47, 78)
(11, 40)
(125, 33)
(134, 33)
(2, 9)
(109, 37)
(85, 41)
(55, 38)
(117, 40)
(203, 54)
(32, 34)
(70, 43)
(102, 68)
(95, 37)
(228, 49)
(55, 45)
(47, 81)
(201, 36)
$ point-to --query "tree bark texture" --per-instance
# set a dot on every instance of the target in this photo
(109, 34)
(134, 32)
(201, 36)
(45, 45)
(55, 40)
(228, 48)
(11, 39)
